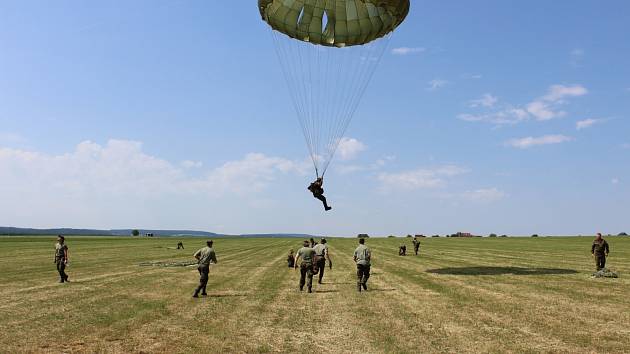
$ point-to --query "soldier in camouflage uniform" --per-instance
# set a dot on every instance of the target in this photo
(204, 257)
(416, 245)
(600, 250)
(362, 256)
(321, 255)
(61, 258)
(306, 254)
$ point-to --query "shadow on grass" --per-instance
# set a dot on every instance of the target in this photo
(501, 271)
(326, 291)
(377, 290)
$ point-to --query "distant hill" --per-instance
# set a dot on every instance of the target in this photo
(60, 231)
(7, 231)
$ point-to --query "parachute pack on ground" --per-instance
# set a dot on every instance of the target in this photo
(329, 50)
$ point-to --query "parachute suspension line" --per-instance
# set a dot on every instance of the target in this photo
(326, 85)
(286, 66)
(373, 54)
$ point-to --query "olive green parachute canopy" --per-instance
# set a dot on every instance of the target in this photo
(336, 23)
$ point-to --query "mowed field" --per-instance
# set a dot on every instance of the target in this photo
(460, 295)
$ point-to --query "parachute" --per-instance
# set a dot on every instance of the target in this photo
(328, 51)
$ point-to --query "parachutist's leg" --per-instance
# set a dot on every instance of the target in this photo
(323, 199)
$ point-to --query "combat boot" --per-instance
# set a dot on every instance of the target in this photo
(310, 290)
(365, 286)
(359, 287)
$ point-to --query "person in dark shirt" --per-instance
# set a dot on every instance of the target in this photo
(318, 191)
(290, 259)
(600, 251)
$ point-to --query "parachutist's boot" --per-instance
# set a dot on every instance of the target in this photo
(359, 287)
(365, 286)
(327, 208)
(310, 290)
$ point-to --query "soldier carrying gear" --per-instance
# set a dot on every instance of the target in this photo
(402, 250)
(306, 254)
(318, 191)
(290, 259)
(362, 257)
(600, 251)
(180, 245)
(321, 255)
(61, 258)
(416, 245)
(204, 257)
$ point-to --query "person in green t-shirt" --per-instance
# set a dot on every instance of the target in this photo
(306, 254)
(61, 258)
(362, 257)
(205, 256)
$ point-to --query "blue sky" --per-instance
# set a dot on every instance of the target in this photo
(486, 116)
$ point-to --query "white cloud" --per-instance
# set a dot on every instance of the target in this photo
(506, 116)
(625, 146)
(542, 111)
(436, 84)
(543, 108)
(121, 169)
(11, 138)
(484, 195)
(376, 165)
(587, 123)
(486, 100)
(350, 148)
(559, 92)
(192, 164)
(528, 142)
(420, 178)
(472, 76)
(408, 50)
(576, 57)
(615, 181)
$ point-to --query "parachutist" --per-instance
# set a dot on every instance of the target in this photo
(318, 191)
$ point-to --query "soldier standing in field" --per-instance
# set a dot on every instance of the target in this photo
(416, 245)
(61, 258)
(321, 255)
(306, 254)
(290, 259)
(362, 256)
(204, 257)
(600, 250)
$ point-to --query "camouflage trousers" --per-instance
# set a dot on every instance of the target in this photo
(363, 274)
(61, 269)
(204, 271)
(600, 261)
(306, 275)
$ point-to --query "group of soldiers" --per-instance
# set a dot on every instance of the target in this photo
(402, 250)
(311, 258)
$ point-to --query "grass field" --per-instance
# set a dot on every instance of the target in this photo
(461, 295)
